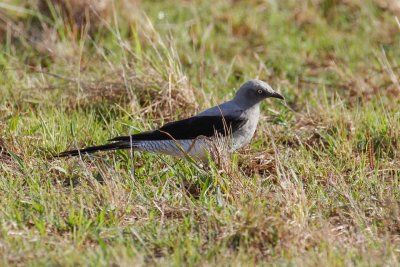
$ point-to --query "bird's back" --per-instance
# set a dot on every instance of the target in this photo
(229, 108)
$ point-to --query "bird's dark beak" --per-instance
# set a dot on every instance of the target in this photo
(276, 95)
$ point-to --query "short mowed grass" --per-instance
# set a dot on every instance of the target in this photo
(319, 184)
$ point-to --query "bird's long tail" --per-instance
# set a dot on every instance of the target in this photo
(92, 149)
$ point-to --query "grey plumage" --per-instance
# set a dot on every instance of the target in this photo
(233, 122)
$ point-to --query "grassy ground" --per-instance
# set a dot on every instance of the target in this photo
(319, 185)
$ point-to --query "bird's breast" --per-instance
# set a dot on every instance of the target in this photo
(244, 134)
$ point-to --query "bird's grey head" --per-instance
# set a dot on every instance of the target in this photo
(253, 92)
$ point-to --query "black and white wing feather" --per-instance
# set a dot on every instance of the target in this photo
(186, 129)
(190, 128)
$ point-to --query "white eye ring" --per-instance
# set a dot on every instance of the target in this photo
(260, 91)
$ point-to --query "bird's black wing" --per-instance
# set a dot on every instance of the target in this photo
(190, 129)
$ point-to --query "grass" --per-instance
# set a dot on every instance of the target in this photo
(319, 184)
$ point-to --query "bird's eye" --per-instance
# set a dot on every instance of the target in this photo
(259, 91)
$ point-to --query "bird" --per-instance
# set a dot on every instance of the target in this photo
(235, 120)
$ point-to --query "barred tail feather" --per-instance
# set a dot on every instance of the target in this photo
(93, 149)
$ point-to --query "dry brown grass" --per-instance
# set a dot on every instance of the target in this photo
(155, 96)
(79, 15)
